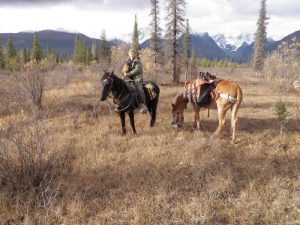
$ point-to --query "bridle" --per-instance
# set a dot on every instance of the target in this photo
(118, 97)
(110, 86)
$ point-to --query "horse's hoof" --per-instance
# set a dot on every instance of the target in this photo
(234, 143)
(212, 136)
(174, 125)
(196, 129)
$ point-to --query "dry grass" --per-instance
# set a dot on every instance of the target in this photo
(160, 176)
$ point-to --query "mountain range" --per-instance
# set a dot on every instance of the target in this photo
(59, 41)
(239, 48)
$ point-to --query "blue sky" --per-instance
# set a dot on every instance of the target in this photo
(116, 16)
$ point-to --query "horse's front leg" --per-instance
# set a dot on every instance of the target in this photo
(131, 117)
(122, 117)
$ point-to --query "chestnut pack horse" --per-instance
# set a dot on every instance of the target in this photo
(226, 95)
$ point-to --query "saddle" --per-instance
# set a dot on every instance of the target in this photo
(133, 89)
(147, 86)
(200, 91)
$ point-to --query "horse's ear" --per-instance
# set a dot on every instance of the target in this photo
(112, 72)
(173, 106)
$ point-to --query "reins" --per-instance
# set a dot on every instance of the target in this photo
(124, 108)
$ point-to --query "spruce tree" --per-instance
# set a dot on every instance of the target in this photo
(193, 63)
(36, 48)
(155, 30)
(57, 58)
(104, 49)
(79, 54)
(88, 56)
(11, 55)
(186, 46)
(175, 27)
(95, 52)
(83, 53)
(48, 51)
(135, 36)
(260, 37)
(11, 51)
(2, 58)
(25, 55)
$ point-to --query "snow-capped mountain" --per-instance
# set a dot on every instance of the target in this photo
(144, 34)
(232, 42)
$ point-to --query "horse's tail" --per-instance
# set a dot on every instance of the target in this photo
(239, 97)
(239, 101)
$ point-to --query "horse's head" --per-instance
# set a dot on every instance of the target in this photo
(178, 106)
(107, 82)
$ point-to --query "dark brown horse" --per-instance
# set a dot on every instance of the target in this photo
(126, 99)
(226, 95)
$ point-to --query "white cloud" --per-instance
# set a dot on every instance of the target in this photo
(240, 16)
(117, 16)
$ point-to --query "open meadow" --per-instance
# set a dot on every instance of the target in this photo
(69, 164)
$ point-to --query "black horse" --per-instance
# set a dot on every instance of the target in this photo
(126, 98)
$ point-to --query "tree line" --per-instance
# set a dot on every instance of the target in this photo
(12, 59)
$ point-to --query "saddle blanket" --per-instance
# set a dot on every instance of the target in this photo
(150, 89)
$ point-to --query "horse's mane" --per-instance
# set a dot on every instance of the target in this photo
(119, 80)
(113, 75)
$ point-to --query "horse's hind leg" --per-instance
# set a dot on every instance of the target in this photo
(131, 117)
(234, 122)
(222, 119)
(196, 117)
(122, 117)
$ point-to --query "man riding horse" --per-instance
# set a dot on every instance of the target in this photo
(133, 70)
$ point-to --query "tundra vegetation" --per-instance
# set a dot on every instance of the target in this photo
(64, 161)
